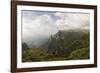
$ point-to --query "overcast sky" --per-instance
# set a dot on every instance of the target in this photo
(36, 24)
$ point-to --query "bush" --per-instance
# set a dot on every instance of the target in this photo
(79, 54)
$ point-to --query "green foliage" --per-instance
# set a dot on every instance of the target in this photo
(26, 56)
(79, 54)
(67, 41)
(34, 54)
(62, 46)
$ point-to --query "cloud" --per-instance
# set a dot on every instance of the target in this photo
(37, 28)
(72, 20)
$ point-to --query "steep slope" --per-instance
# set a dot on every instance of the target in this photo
(66, 41)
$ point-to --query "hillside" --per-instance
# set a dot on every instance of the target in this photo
(64, 45)
(66, 41)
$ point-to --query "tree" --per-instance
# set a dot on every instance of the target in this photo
(24, 46)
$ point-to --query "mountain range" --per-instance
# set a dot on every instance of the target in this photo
(65, 41)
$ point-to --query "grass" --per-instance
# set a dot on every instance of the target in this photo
(37, 55)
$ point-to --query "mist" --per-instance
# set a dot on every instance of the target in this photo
(38, 26)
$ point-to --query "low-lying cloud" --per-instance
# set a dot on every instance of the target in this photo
(38, 26)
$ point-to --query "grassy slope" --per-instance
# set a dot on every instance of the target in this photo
(36, 54)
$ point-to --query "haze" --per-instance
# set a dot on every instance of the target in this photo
(37, 26)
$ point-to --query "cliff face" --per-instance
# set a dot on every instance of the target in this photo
(67, 41)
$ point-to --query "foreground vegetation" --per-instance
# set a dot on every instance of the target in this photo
(36, 54)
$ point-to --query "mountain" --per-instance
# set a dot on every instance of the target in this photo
(65, 41)
(64, 45)
(24, 46)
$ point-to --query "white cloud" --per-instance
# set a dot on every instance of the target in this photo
(41, 27)
(72, 20)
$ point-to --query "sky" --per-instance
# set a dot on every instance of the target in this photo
(39, 25)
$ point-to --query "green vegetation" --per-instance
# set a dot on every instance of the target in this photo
(79, 54)
(62, 46)
(36, 54)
